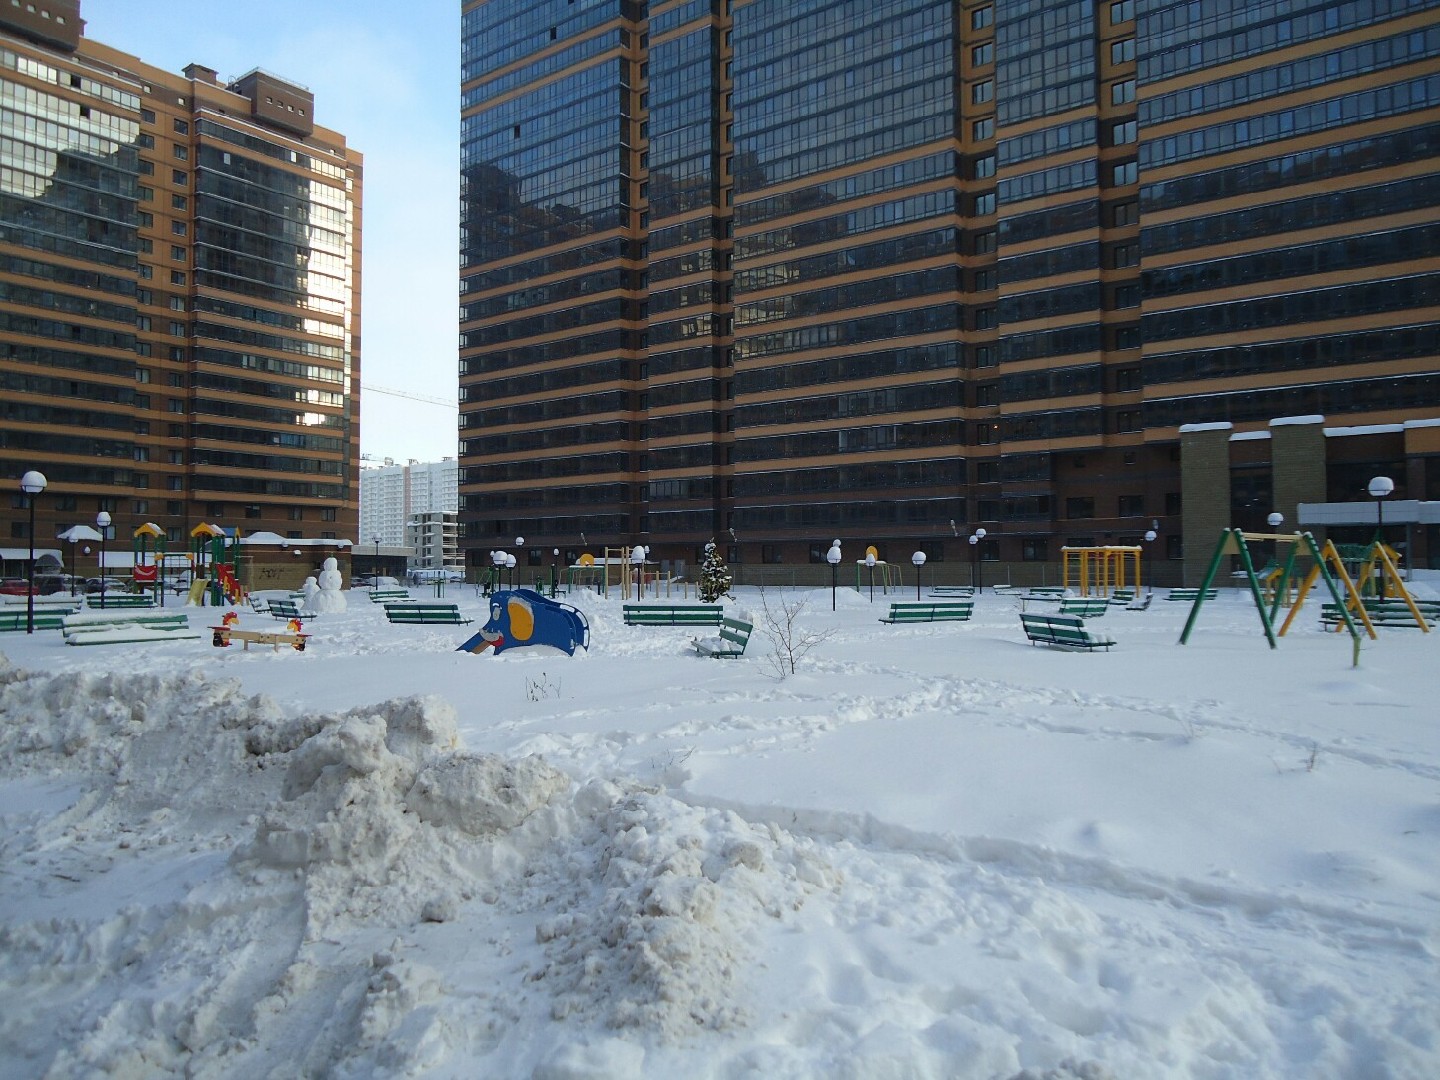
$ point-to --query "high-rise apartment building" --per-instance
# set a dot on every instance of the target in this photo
(391, 496)
(780, 271)
(179, 292)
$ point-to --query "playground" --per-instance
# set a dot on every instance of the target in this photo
(1221, 855)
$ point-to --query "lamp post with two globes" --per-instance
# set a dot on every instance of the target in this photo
(975, 538)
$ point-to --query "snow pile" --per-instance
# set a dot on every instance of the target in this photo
(301, 846)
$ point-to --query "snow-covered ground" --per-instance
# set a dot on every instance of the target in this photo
(933, 851)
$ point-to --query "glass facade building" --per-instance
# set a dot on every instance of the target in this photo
(777, 271)
(179, 292)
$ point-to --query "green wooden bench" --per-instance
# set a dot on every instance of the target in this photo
(388, 596)
(91, 628)
(289, 609)
(673, 614)
(86, 621)
(1190, 595)
(1122, 596)
(734, 636)
(1087, 607)
(1384, 613)
(1064, 630)
(13, 617)
(957, 591)
(108, 600)
(417, 612)
(939, 611)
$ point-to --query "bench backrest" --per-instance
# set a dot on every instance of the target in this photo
(735, 630)
(1054, 627)
(940, 607)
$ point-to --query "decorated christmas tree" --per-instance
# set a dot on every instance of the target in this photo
(714, 575)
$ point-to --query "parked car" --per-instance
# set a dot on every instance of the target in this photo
(111, 584)
(15, 586)
(46, 584)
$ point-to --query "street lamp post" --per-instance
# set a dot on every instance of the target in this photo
(919, 560)
(637, 560)
(519, 546)
(833, 558)
(870, 562)
(32, 484)
(376, 574)
(975, 579)
(102, 522)
(1379, 487)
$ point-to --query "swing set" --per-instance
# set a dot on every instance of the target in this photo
(1378, 569)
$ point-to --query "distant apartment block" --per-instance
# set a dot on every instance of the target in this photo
(391, 496)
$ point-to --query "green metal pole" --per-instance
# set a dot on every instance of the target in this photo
(1249, 565)
(1209, 577)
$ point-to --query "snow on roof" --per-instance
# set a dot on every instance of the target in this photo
(1223, 425)
(1283, 421)
(1364, 429)
(1249, 436)
(276, 540)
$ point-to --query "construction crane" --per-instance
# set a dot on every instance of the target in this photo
(389, 392)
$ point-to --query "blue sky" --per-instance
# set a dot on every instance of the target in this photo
(391, 87)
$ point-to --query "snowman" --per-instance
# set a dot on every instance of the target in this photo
(328, 596)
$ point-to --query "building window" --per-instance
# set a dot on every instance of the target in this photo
(1122, 51)
(770, 553)
(982, 92)
(1132, 505)
(984, 54)
(177, 277)
(1034, 549)
(980, 18)
(983, 129)
(1122, 92)
(985, 434)
(182, 153)
(1126, 213)
(1127, 172)
(179, 202)
(1126, 254)
(179, 228)
(252, 510)
(984, 204)
(177, 252)
(1124, 131)
(182, 127)
(986, 319)
(327, 513)
(1127, 379)
(179, 178)
(1079, 506)
(1122, 11)
(984, 167)
(1127, 420)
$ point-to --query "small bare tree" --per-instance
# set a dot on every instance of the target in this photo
(788, 639)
